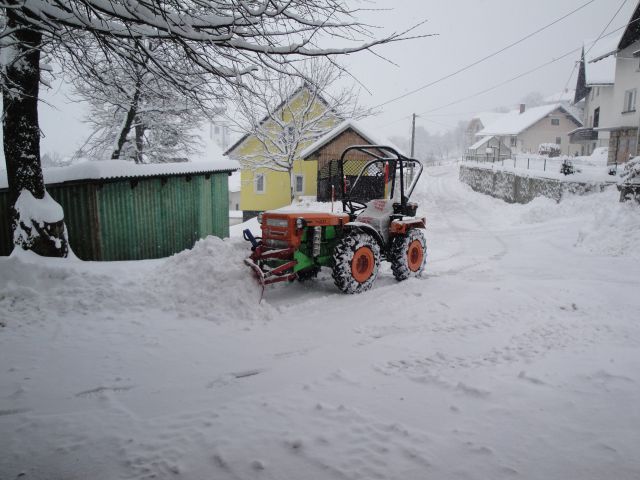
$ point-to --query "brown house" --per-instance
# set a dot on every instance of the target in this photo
(327, 151)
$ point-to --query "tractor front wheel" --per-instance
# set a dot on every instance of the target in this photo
(408, 254)
(356, 260)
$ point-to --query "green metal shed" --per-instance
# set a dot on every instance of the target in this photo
(135, 212)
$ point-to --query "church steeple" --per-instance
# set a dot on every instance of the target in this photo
(581, 87)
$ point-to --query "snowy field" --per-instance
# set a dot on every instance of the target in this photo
(516, 356)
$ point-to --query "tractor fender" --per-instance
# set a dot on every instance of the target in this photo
(366, 228)
(401, 227)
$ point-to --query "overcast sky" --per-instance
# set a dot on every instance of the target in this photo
(467, 30)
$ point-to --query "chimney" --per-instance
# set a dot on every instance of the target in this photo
(523, 107)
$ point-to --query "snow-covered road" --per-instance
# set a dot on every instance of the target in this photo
(516, 356)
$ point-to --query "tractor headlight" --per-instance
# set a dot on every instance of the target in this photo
(277, 222)
(300, 223)
(259, 218)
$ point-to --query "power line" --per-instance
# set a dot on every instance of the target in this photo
(513, 78)
(524, 73)
(467, 67)
(596, 41)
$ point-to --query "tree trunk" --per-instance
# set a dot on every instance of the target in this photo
(139, 129)
(291, 194)
(128, 122)
(37, 223)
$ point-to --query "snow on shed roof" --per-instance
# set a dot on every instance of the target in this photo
(514, 122)
(108, 169)
(327, 137)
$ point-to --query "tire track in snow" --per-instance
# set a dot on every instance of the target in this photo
(448, 200)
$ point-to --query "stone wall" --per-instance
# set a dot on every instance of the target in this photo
(513, 188)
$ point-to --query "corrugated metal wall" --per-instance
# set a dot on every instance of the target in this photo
(133, 219)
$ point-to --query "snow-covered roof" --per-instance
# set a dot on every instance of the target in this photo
(514, 122)
(327, 137)
(480, 142)
(600, 63)
(602, 72)
(487, 118)
(107, 169)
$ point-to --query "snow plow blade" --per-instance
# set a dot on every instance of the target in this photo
(281, 273)
(256, 270)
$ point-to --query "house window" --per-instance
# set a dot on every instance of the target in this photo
(259, 182)
(592, 92)
(596, 117)
(597, 91)
(558, 140)
(555, 121)
(298, 183)
(514, 141)
(629, 101)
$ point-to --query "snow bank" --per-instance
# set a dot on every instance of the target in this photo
(212, 282)
(608, 228)
(209, 281)
(613, 229)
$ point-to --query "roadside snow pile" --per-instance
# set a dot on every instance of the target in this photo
(608, 227)
(33, 288)
(613, 230)
(210, 281)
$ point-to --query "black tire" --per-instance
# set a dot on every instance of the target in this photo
(366, 251)
(408, 254)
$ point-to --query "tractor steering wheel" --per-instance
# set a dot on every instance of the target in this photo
(356, 206)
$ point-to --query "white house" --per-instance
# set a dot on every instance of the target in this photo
(477, 123)
(488, 148)
(524, 130)
(624, 122)
(595, 84)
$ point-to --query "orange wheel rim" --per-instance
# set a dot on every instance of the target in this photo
(362, 264)
(415, 255)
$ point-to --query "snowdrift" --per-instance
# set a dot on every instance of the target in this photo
(208, 281)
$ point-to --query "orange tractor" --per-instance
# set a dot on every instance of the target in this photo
(377, 223)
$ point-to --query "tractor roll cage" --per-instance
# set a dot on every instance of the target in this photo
(380, 153)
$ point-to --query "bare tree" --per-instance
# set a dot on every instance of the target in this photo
(218, 40)
(291, 109)
(134, 114)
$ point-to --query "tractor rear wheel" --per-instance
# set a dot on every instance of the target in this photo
(408, 254)
(356, 260)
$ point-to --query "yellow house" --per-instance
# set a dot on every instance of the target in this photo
(266, 185)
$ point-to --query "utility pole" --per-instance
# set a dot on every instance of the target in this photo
(413, 134)
(413, 144)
